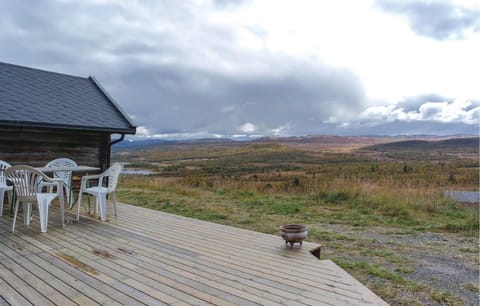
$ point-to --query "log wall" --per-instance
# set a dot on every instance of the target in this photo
(36, 147)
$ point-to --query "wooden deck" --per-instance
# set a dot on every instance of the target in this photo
(154, 258)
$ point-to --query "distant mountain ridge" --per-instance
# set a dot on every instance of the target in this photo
(149, 142)
(141, 143)
(460, 145)
(374, 143)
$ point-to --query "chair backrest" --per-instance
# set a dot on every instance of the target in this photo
(3, 166)
(65, 176)
(113, 173)
(25, 179)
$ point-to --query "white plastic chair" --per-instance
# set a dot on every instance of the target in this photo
(107, 182)
(3, 185)
(29, 184)
(65, 176)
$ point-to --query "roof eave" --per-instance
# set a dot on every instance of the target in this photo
(67, 127)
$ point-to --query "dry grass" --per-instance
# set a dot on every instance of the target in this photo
(261, 186)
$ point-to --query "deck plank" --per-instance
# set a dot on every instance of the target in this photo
(23, 287)
(225, 270)
(71, 274)
(170, 261)
(236, 255)
(10, 296)
(261, 274)
(41, 282)
(62, 281)
(154, 258)
(42, 269)
(176, 269)
(107, 264)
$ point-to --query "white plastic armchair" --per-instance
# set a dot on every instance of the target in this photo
(29, 185)
(107, 182)
(65, 176)
(3, 185)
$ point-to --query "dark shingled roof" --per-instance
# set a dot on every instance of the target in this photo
(38, 98)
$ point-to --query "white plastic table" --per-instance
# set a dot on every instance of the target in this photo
(75, 169)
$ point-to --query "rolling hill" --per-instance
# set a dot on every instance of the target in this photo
(454, 145)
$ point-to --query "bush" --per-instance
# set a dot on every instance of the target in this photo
(335, 197)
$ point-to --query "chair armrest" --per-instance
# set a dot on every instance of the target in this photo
(50, 183)
(91, 177)
(47, 184)
(87, 178)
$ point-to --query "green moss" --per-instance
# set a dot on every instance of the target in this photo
(445, 298)
(372, 269)
(472, 287)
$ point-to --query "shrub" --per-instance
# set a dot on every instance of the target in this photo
(335, 197)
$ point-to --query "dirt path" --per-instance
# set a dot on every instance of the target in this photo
(435, 268)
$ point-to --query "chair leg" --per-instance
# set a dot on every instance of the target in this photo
(114, 200)
(62, 208)
(97, 205)
(43, 212)
(2, 195)
(27, 213)
(68, 192)
(102, 201)
(17, 203)
(11, 196)
(79, 203)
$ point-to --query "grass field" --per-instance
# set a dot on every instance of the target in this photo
(339, 194)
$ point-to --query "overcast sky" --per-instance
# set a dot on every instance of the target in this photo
(234, 68)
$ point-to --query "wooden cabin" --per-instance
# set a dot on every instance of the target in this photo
(46, 115)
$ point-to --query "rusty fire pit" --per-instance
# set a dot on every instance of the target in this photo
(293, 233)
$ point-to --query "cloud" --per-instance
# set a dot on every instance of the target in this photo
(456, 111)
(199, 69)
(413, 103)
(399, 127)
(437, 19)
(228, 3)
(460, 112)
(143, 131)
(287, 101)
(176, 69)
(248, 128)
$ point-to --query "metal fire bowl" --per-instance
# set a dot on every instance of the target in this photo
(293, 233)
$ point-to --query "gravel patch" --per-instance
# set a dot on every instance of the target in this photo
(443, 262)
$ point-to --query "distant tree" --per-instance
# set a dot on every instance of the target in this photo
(452, 179)
(407, 168)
